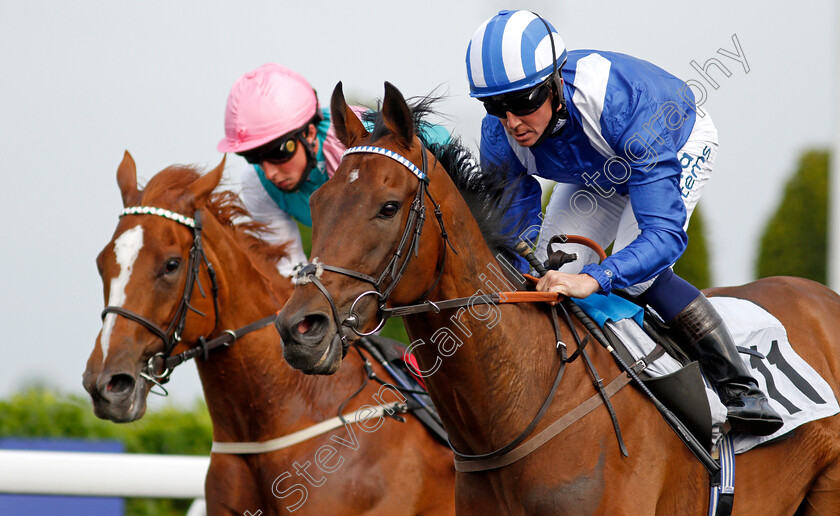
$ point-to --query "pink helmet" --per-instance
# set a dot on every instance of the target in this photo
(265, 104)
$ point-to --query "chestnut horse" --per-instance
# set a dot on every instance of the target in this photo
(489, 367)
(251, 394)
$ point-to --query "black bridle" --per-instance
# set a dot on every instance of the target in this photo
(395, 269)
(410, 241)
(159, 367)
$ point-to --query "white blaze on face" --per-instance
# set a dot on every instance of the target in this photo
(354, 175)
(126, 247)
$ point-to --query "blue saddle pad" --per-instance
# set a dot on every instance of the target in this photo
(610, 307)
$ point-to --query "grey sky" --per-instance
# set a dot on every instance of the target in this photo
(83, 81)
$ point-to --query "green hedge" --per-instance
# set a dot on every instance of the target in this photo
(795, 240)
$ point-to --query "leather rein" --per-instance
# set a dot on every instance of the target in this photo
(164, 361)
(410, 242)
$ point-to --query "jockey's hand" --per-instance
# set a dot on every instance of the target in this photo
(571, 285)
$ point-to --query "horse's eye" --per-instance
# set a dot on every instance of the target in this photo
(171, 265)
(389, 209)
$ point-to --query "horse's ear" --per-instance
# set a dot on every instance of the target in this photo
(127, 181)
(201, 187)
(348, 127)
(397, 115)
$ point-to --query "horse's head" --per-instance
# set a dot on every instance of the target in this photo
(148, 270)
(367, 243)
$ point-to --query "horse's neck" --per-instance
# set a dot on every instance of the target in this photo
(251, 393)
(496, 362)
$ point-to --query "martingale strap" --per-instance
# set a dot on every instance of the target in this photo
(596, 400)
(555, 428)
(360, 415)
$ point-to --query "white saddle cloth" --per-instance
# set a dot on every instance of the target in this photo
(792, 386)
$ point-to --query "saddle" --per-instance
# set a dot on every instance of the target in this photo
(799, 394)
(682, 391)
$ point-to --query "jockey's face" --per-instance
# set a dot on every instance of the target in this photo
(287, 175)
(526, 129)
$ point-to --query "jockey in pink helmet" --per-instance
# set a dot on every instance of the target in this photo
(273, 121)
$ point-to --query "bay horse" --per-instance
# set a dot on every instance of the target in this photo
(487, 367)
(251, 394)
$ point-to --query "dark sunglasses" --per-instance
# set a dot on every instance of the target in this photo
(280, 150)
(520, 104)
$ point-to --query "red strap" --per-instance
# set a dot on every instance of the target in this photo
(414, 368)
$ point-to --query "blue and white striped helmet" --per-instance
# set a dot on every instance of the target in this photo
(511, 51)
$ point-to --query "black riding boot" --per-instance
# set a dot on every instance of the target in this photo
(708, 339)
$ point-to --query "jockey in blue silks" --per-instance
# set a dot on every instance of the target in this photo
(630, 152)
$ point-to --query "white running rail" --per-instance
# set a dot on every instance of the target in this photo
(102, 474)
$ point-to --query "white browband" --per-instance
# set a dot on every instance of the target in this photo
(402, 160)
(149, 210)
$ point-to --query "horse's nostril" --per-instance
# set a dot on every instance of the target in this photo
(299, 328)
(120, 383)
(304, 325)
(311, 326)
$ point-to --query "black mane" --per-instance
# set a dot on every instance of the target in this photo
(488, 193)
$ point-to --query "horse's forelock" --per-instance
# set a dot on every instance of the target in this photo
(421, 109)
(173, 179)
